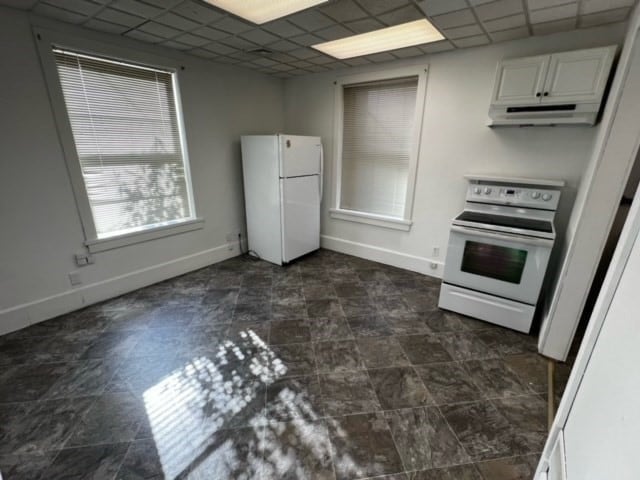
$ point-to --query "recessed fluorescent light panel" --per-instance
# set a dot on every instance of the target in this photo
(390, 38)
(262, 11)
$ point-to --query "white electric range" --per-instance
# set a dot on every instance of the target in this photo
(499, 248)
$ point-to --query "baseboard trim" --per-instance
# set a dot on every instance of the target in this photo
(20, 316)
(384, 255)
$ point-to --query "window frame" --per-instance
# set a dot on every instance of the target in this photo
(337, 212)
(46, 41)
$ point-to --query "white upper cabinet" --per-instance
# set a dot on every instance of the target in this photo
(568, 77)
(578, 76)
(520, 80)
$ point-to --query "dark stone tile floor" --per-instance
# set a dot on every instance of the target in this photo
(331, 368)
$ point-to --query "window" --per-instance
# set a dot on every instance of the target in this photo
(125, 121)
(379, 122)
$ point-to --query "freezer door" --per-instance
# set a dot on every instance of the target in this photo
(300, 216)
(299, 155)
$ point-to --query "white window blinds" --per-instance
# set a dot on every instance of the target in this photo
(126, 130)
(378, 126)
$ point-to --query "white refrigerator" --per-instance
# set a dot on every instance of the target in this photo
(282, 192)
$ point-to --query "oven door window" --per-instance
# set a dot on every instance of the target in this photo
(494, 261)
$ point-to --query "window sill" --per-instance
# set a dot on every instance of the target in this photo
(371, 219)
(104, 244)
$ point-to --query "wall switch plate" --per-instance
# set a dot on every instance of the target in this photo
(74, 278)
(436, 252)
(83, 259)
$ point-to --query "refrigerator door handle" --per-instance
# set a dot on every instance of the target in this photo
(321, 176)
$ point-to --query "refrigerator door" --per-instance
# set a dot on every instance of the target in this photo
(299, 155)
(300, 216)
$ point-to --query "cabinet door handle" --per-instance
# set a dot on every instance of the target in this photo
(538, 94)
(546, 94)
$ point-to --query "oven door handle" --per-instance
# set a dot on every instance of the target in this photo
(535, 242)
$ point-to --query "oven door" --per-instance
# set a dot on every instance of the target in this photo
(502, 264)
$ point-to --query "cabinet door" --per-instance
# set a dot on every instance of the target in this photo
(520, 81)
(578, 76)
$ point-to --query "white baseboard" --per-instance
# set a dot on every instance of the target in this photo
(21, 316)
(384, 255)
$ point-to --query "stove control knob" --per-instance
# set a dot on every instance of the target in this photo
(487, 190)
(546, 197)
(477, 191)
(535, 195)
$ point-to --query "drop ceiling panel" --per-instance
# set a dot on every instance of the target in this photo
(199, 29)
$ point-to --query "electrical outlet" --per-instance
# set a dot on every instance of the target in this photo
(74, 278)
(83, 259)
(436, 252)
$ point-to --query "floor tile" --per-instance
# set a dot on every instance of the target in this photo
(25, 467)
(337, 356)
(335, 328)
(215, 314)
(113, 418)
(135, 318)
(285, 295)
(237, 368)
(82, 378)
(381, 288)
(395, 306)
(399, 387)
(507, 342)
(252, 312)
(61, 348)
(291, 398)
(46, 427)
(327, 307)
(421, 349)
(347, 393)
(369, 326)
(318, 292)
(220, 296)
(291, 311)
(16, 348)
(494, 378)
(482, 430)
(179, 315)
(513, 468)
(443, 321)
(409, 324)
(422, 301)
(141, 462)
(357, 306)
(21, 383)
(448, 383)
(465, 346)
(297, 450)
(424, 439)
(531, 368)
(363, 446)
(378, 352)
(528, 418)
(293, 359)
(350, 289)
(248, 295)
(112, 344)
(157, 341)
(461, 472)
(236, 454)
(102, 461)
(289, 331)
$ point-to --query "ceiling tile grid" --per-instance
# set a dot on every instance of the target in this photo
(282, 47)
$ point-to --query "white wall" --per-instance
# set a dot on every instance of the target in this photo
(455, 141)
(41, 229)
